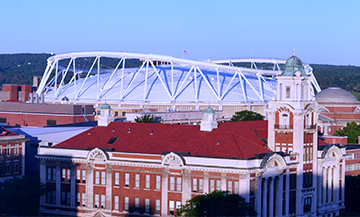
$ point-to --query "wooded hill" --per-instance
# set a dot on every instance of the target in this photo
(20, 69)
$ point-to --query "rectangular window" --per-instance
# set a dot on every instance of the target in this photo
(16, 151)
(7, 150)
(178, 183)
(53, 200)
(287, 92)
(96, 201)
(147, 181)
(127, 179)
(194, 187)
(116, 182)
(7, 168)
(78, 176)
(78, 199)
(103, 201)
(229, 187)
(157, 206)
(172, 183)
(126, 203)
(212, 185)
(201, 185)
(116, 202)
(97, 177)
(218, 185)
(158, 182)
(137, 180)
(68, 175)
(178, 204)
(83, 176)
(83, 199)
(147, 206)
(103, 176)
(137, 204)
(236, 187)
(171, 207)
(49, 173)
(54, 174)
(63, 175)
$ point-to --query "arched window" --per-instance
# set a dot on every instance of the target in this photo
(284, 121)
(307, 204)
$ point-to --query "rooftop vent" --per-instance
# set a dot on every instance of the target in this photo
(152, 132)
(89, 133)
(218, 142)
(129, 130)
(112, 140)
(113, 130)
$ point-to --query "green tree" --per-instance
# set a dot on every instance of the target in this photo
(20, 196)
(246, 116)
(351, 130)
(145, 119)
(217, 203)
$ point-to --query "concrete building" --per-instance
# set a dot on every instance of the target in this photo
(121, 169)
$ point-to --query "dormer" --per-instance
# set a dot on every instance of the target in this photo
(208, 123)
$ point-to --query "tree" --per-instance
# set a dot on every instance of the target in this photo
(217, 203)
(19, 196)
(145, 119)
(246, 116)
(351, 130)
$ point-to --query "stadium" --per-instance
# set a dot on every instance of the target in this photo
(132, 80)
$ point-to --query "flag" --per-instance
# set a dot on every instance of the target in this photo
(185, 52)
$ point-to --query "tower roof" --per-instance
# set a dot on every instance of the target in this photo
(105, 106)
(209, 111)
(292, 65)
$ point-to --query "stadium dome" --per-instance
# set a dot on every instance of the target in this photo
(161, 82)
(335, 95)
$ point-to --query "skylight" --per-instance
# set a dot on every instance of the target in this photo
(112, 140)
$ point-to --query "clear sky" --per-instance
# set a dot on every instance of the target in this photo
(323, 32)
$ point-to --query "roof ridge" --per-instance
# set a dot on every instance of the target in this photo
(237, 144)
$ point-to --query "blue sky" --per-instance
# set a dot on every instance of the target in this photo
(323, 32)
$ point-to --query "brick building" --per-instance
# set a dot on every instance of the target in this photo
(40, 114)
(15, 93)
(120, 169)
(12, 154)
(336, 108)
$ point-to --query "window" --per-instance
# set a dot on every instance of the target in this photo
(212, 185)
(218, 185)
(172, 183)
(51, 174)
(287, 92)
(51, 122)
(103, 182)
(116, 113)
(16, 151)
(78, 199)
(307, 204)
(201, 185)
(157, 206)
(96, 201)
(103, 201)
(78, 176)
(147, 205)
(83, 199)
(236, 187)
(7, 150)
(178, 183)
(158, 182)
(137, 180)
(116, 182)
(65, 175)
(112, 140)
(7, 168)
(97, 177)
(147, 181)
(51, 197)
(65, 198)
(116, 202)
(171, 207)
(194, 187)
(229, 187)
(178, 204)
(126, 203)
(83, 176)
(127, 179)
(137, 204)
(3, 120)
(123, 113)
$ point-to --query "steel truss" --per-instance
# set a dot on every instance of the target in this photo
(177, 80)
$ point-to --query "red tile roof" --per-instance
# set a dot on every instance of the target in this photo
(231, 139)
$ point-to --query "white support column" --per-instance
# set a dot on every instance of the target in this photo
(72, 186)
(206, 183)
(109, 197)
(271, 196)
(89, 187)
(264, 197)
(279, 194)
(258, 197)
(244, 187)
(58, 185)
(329, 184)
(186, 189)
(164, 194)
(223, 181)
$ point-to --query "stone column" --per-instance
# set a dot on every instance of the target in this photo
(164, 193)
(279, 195)
(258, 196)
(324, 185)
(244, 187)
(223, 182)
(271, 196)
(329, 178)
(89, 186)
(72, 186)
(186, 190)
(264, 197)
(206, 182)
(287, 193)
(58, 184)
(108, 197)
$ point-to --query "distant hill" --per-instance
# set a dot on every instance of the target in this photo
(20, 68)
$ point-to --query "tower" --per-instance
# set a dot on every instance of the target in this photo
(292, 118)
(208, 123)
(105, 116)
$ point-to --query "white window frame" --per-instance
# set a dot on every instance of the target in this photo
(201, 185)
(147, 205)
(117, 179)
(157, 206)
(229, 186)
(218, 185)
(158, 183)
(137, 180)
(116, 202)
(147, 181)
(127, 179)
(178, 183)
(83, 176)
(212, 185)
(126, 203)
(96, 203)
(103, 178)
(97, 178)
(83, 199)
(136, 204)
(194, 185)
(102, 201)
(236, 187)
(172, 183)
